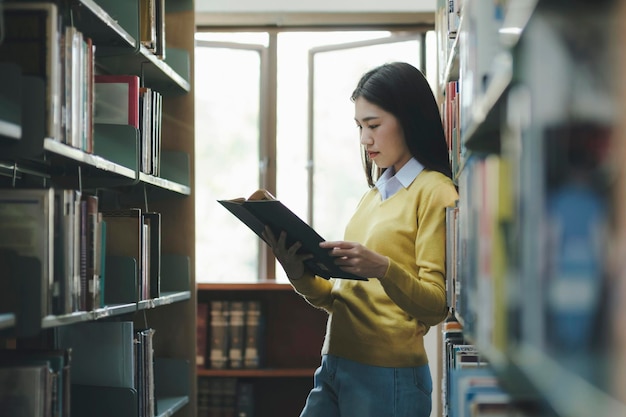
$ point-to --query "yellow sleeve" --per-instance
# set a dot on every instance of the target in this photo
(424, 296)
(315, 290)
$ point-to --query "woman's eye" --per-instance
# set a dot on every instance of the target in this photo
(373, 126)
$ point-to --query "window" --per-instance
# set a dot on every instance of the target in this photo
(273, 111)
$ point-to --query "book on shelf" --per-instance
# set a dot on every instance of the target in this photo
(31, 39)
(202, 397)
(9, 301)
(77, 78)
(132, 234)
(218, 338)
(101, 259)
(93, 221)
(117, 99)
(236, 331)
(102, 352)
(27, 228)
(221, 396)
(26, 390)
(152, 26)
(144, 371)
(262, 209)
(244, 401)
(153, 253)
(10, 100)
(202, 330)
(472, 387)
(150, 116)
(225, 397)
(58, 362)
(160, 48)
(253, 330)
(67, 249)
(147, 24)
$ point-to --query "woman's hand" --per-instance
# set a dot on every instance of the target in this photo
(357, 259)
(292, 262)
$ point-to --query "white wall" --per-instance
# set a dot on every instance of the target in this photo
(316, 6)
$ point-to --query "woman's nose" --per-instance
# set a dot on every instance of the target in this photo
(365, 138)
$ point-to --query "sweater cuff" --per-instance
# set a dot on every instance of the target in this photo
(390, 269)
(309, 284)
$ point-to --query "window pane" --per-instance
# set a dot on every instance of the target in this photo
(339, 179)
(227, 160)
(292, 100)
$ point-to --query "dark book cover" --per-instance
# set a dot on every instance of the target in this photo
(262, 209)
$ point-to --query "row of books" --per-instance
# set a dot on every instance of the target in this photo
(229, 334)
(559, 264)
(450, 113)
(225, 397)
(72, 242)
(42, 380)
(35, 380)
(469, 386)
(76, 97)
(447, 22)
(125, 360)
(121, 100)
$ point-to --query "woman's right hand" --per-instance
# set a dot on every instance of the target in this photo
(291, 261)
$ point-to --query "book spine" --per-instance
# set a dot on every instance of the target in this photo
(202, 321)
(219, 335)
(236, 334)
(252, 334)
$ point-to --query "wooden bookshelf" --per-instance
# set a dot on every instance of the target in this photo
(30, 157)
(290, 344)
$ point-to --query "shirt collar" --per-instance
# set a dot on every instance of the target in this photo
(389, 183)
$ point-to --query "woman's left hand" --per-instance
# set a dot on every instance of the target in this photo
(357, 259)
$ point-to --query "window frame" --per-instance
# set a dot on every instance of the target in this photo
(266, 270)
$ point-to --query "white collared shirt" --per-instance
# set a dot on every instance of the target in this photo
(390, 183)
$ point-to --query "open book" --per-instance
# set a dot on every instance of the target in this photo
(263, 209)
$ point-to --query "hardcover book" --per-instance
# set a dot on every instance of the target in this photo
(252, 343)
(102, 353)
(263, 209)
(202, 329)
(27, 227)
(236, 334)
(218, 342)
(25, 390)
(30, 39)
(117, 99)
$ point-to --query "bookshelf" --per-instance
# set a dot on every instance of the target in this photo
(36, 154)
(290, 342)
(537, 117)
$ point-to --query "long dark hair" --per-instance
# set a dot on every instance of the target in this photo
(402, 90)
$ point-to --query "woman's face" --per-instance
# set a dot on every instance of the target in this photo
(381, 135)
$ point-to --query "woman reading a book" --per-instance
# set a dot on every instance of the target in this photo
(374, 362)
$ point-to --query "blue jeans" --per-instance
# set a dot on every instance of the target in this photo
(344, 388)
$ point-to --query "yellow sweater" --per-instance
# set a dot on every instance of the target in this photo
(382, 322)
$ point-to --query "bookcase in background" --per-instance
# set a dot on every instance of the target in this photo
(48, 141)
(290, 338)
(537, 235)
